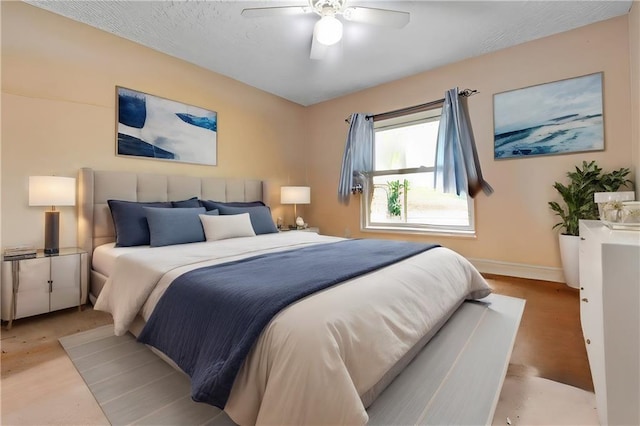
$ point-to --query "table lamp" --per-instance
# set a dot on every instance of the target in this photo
(52, 191)
(295, 195)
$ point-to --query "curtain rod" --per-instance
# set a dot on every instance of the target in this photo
(416, 108)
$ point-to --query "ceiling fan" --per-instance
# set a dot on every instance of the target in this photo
(328, 30)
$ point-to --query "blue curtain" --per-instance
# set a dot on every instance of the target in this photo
(457, 165)
(358, 155)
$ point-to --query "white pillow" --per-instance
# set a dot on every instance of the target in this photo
(227, 226)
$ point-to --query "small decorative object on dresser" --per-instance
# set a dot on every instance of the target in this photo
(610, 204)
(631, 214)
(36, 283)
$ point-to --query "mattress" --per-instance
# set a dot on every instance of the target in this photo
(104, 257)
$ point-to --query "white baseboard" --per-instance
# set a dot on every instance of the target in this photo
(520, 270)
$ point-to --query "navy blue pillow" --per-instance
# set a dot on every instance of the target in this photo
(169, 226)
(260, 216)
(211, 205)
(187, 204)
(130, 222)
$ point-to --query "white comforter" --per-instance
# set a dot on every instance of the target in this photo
(315, 359)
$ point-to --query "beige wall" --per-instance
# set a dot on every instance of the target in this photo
(514, 224)
(58, 114)
(634, 59)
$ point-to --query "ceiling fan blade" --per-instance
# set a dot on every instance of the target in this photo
(369, 15)
(318, 50)
(261, 12)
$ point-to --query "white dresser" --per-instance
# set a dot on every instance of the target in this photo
(610, 317)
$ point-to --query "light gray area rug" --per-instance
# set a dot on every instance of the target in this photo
(455, 379)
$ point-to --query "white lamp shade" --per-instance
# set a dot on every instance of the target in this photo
(295, 195)
(52, 191)
(328, 30)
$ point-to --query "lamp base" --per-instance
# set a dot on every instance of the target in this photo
(51, 232)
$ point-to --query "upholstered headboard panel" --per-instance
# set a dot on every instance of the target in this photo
(95, 226)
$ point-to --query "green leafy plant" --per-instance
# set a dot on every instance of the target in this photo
(578, 194)
(615, 180)
(393, 198)
(395, 189)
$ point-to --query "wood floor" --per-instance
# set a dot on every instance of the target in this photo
(549, 345)
(549, 342)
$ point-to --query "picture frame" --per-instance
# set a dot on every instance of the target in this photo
(149, 126)
(560, 117)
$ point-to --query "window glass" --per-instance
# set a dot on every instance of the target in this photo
(411, 199)
(406, 146)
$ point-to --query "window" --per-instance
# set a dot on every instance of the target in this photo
(400, 192)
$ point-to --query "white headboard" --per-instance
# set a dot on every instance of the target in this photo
(95, 225)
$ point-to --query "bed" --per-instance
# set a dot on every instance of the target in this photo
(323, 359)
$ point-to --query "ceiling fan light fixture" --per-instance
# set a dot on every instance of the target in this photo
(328, 30)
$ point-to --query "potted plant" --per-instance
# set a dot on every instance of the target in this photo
(579, 205)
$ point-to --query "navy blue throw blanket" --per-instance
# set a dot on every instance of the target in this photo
(209, 318)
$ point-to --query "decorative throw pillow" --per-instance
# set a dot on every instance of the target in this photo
(211, 205)
(174, 225)
(223, 227)
(130, 221)
(187, 204)
(261, 219)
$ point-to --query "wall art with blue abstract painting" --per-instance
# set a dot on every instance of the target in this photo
(154, 127)
(553, 118)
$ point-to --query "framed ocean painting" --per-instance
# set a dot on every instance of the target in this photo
(154, 127)
(561, 117)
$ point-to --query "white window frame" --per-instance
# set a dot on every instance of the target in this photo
(409, 228)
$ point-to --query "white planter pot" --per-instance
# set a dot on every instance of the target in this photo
(570, 256)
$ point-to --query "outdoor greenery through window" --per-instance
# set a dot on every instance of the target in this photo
(400, 194)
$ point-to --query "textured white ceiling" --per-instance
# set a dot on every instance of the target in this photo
(272, 54)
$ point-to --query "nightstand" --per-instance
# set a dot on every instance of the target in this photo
(44, 283)
(310, 229)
